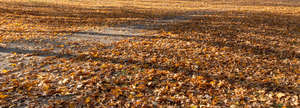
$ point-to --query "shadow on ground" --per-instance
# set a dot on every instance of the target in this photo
(267, 33)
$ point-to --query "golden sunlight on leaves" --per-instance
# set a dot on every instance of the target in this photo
(4, 71)
(87, 100)
(117, 92)
(104, 66)
(2, 96)
(154, 53)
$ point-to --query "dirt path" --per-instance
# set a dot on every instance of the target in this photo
(26, 51)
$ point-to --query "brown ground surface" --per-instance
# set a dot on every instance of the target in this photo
(139, 53)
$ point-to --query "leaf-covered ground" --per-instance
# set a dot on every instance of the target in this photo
(221, 55)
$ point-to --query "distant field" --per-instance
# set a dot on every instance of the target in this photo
(149, 53)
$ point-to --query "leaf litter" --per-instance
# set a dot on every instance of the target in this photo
(208, 60)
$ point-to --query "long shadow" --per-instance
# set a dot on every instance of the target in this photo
(149, 65)
(283, 54)
(33, 52)
(68, 15)
(256, 50)
(228, 25)
(38, 32)
(117, 35)
(272, 3)
(270, 86)
(200, 24)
